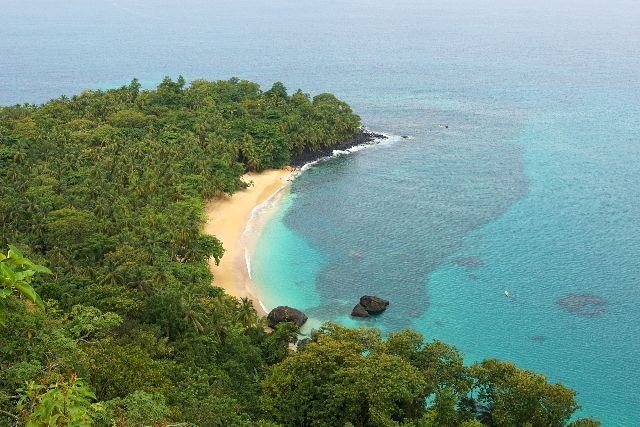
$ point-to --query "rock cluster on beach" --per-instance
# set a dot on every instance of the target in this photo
(369, 305)
(361, 138)
(284, 313)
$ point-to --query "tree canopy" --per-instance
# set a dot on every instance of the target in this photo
(123, 327)
(355, 377)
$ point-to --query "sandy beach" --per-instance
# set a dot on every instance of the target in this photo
(227, 219)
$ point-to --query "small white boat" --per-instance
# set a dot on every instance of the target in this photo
(506, 293)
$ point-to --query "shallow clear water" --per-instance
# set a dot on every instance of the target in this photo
(532, 188)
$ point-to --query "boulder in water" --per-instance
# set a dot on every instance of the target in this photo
(359, 311)
(284, 313)
(373, 304)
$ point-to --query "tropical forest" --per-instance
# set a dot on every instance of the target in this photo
(110, 316)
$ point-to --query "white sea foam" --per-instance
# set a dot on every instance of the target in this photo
(247, 262)
(389, 138)
(263, 307)
(250, 226)
(260, 208)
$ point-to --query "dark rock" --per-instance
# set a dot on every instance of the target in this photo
(374, 305)
(359, 311)
(361, 138)
(286, 314)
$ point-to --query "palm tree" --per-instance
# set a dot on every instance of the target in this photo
(246, 313)
(193, 313)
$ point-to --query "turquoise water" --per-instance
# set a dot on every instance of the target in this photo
(533, 187)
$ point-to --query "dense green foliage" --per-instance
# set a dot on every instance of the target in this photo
(354, 376)
(16, 272)
(107, 188)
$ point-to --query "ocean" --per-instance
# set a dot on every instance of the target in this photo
(521, 171)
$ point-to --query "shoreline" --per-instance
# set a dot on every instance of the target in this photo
(238, 220)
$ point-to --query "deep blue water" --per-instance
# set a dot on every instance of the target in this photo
(533, 187)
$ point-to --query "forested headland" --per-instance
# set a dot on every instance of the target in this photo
(107, 312)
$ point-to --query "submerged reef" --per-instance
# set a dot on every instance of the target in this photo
(538, 338)
(586, 305)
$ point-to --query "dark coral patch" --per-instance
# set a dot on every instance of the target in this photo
(538, 338)
(586, 305)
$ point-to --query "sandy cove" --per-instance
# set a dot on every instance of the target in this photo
(227, 219)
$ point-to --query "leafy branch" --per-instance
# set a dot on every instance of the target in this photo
(16, 273)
